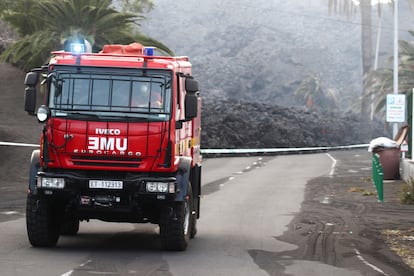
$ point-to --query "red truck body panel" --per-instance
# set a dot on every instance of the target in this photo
(116, 146)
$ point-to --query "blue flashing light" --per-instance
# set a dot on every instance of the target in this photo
(149, 51)
(77, 48)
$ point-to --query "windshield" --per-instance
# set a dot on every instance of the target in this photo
(120, 93)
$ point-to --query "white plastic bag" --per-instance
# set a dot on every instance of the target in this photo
(382, 142)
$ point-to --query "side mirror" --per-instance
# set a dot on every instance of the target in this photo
(191, 85)
(191, 105)
(30, 100)
(30, 92)
(31, 79)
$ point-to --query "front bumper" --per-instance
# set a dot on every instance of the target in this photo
(133, 201)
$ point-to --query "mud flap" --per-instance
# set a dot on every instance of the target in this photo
(195, 178)
(183, 177)
(34, 169)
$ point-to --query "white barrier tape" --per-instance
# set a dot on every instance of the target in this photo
(18, 144)
(230, 151)
(275, 150)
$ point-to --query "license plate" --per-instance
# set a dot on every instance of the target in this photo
(105, 184)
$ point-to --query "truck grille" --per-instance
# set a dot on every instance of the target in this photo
(106, 161)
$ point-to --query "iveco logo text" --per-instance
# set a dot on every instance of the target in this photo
(108, 131)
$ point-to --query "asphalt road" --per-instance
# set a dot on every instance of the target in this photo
(247, 204)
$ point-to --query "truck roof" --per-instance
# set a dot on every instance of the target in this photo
(123, 56)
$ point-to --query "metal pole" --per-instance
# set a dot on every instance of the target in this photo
(395, 84)
(412, 128)
(377, 45)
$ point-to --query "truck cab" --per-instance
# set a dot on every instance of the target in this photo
(120, 143)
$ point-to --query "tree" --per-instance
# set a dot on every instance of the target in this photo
(367, 62)
(136, 6)
(315, 94)
(381, 80)
(348, 7)
(17, 13)
(44, 25)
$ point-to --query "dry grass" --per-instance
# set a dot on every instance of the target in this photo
(362, 191)
(402, 243)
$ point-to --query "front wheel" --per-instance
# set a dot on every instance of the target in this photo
(42, 226)
(176, 224)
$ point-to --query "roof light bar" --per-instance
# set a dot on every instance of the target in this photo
(149, 51)
(77, 48)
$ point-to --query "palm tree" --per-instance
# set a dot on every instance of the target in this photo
(348, 7)
(367, 63)
(136, 6)
(19, 15)
(45, 25)
(381, 80)
(315, 95)
(345, 7)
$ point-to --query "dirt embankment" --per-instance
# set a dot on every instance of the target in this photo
(15, 126)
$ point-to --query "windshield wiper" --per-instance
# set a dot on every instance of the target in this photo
(82, 115)
(88, 115)
(124, 118)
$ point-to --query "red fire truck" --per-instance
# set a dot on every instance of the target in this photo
(120, 143)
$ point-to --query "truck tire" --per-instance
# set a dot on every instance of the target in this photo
(42, 227)
(69, 226)
(176, 223)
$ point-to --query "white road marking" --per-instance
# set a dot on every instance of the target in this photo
(331, 173)
(71, 271)
(67, 273)
(9, 213)
(359, 256)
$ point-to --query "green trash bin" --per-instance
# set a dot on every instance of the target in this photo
(390, 162)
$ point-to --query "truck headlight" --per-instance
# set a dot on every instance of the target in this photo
(43, 113)
(160, 187)
(50, 182)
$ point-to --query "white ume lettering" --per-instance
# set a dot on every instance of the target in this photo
(107, 143)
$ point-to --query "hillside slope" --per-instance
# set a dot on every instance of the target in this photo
(260, 51)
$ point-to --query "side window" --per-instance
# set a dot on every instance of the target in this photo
(180, 98)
